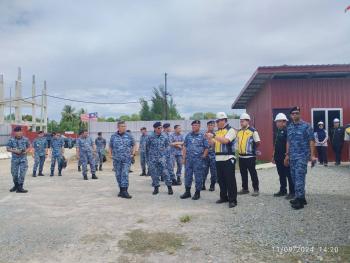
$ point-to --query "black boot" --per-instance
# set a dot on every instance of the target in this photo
(120, 191)
(212, 187)
(40, 173)
(203, 187)
(280, 193)
(124, 193)
(296, 200)
(79, 169)
(34, 174)
(179, 180)
(170, 190)
(94, 176)
(298, 204)
(96, 166)
(143, 173)
(20, 189)
(14, 188)
(156, 190)
(100, 168)
(85, 177)
(52, 173)
(196, 195)
(187, 193)
(60, 173)
(174, 182)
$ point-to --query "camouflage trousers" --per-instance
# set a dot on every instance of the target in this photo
(38, 161)
(121, 169)
(298, 170)
(19, 167)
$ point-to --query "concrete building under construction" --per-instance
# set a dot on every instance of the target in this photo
(37, 102)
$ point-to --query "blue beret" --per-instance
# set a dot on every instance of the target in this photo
(17, 129)
(166, 125)
(296, 108)
(157, 124)
(196, 122)
(210, 122)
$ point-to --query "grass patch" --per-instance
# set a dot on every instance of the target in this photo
(185, 219)
(96, 238)
(140, 221)
(142, 242)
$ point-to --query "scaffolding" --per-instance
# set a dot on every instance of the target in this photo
(17, 102)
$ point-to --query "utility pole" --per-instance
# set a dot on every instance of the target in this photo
(165, 96)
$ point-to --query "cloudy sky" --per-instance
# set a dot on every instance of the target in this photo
(117, 51)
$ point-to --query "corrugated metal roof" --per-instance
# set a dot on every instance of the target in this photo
(263, 74)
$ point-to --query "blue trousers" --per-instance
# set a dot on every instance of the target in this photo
(178, 160)
(54, 159)
(194, 167)
(158, 168)
(38, 161)
(170, 166)
(298, 170)
(210, 164)
(19, 167)
(121, 169)
(85, 159)
(99, 157)
(143, 160)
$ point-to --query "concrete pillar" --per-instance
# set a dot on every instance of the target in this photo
(18, 96)
(2, 100)
(33, 105)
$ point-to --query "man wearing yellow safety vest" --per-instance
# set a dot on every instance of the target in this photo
(225, 159)
(248, 140)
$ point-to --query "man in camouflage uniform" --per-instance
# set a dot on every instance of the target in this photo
(169, 160)
(143, 159)
(122, 149)
(195, 152)
(40, 151)
(18, 146)
(79, 161)
(86, 151)
(176, 142)
(210, 163)
(300, 146)
(57, 150)
(157, 149)
(100, 143)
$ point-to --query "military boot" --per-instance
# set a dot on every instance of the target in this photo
(124, 193)
(170, 190)
(203, 187)
(94, 176)
(174, 182)
(14, 188)
(120, 191)
(212, 187)
(100, 168)
(96, 166)
(52, 173)
(156, 190)
(179, 180)
(196, 195)
(143, 173)
(40, 173)
(34, 174)
(59, 172)
(296, 200)
(298, 204)
(85, 177)
(79, 169)
(187, 193)
(280, 193)
(20, 189)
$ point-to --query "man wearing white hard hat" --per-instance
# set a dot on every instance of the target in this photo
(337, 140)
(321, 138)
(279, 153)
(225, 159)
(248, 141)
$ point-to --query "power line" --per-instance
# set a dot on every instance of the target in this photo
(73, 100)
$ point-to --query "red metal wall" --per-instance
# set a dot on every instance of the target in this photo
(260, 112)
(306, 93)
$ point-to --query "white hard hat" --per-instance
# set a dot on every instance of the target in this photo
(221, 115)
(281, 117)
(244, 116)
(320, 122)
(336, 120)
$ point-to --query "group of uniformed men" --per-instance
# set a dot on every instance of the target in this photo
(200, 152)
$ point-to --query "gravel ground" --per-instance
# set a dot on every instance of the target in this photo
(66, 219)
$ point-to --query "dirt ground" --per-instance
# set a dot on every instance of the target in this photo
(66, 219)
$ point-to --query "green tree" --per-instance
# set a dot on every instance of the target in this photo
(110, 119)
(197, 116)
(145, 112)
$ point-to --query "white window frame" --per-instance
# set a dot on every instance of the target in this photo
(326, 115)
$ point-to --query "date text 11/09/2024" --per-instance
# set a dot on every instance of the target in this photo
(304, 250)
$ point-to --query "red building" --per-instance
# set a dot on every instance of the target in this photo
(321, 91)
